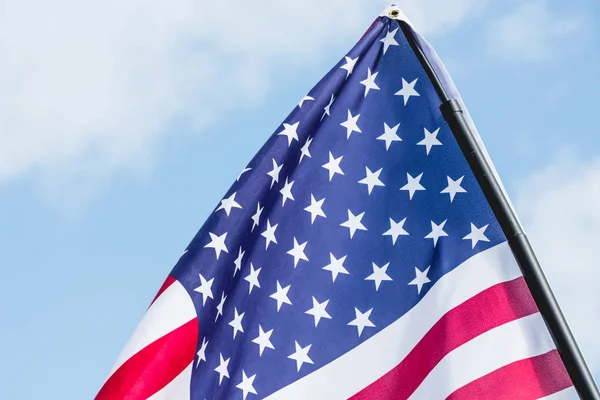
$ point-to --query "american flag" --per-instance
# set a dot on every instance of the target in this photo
(354, 257)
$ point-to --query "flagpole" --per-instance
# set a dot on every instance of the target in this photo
(530, 267)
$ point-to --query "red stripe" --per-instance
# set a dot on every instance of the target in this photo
(168, 282)
(153, 367)
(493, 307)
(527, 379)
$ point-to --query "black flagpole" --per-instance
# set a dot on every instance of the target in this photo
(517, 240)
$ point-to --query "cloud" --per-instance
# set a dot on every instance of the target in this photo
(88, 88)
(560, 209)
(532, 31)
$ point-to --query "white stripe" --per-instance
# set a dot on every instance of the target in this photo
(170, 310)
(566, 394)
(366, 363)
(517, 340)
(178, 388)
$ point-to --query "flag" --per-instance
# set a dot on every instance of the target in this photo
(354, 257)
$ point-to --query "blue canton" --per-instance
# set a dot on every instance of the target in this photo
(341, 223)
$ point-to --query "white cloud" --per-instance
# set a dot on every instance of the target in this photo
(560, 209)
(88, 87)
(532, 31)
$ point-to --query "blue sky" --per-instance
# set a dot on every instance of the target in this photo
(123, 124)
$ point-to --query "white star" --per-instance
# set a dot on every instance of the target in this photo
(315, 209)
(336, 266)
(246, 385)
(301, 356)
(396, 229)
(328, 107)
(286, 192)
(263, 340)
(369, 83)
(351, 124)
(252, 278)
(333, 166)
(454, 187)
(349, 66)
(354, 223)
(256, 217)
(183, 254)
(305, 98)
(236, 323)
(274, 174)
(372, 179)
(291, 131)
(379, 275)
(361, 321)
(220, 306)
(229, 203)
(389, 40)
(281, 295)
(298, 252)
(222, 368)
(430, 140)
(202, 352)
(205, 288)
(390, 135)
(305, 152)
(437, 231)
(318, 311)
(269, 234)
(238, 261)
(413, 185)
(217, 243)
(408, 90)
(477, 235)
(242, 173)
(420, 279)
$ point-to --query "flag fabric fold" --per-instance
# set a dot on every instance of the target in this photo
(354, 257)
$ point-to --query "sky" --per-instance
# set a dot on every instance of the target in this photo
(123, 123)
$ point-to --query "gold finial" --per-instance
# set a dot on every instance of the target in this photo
(394, 13)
